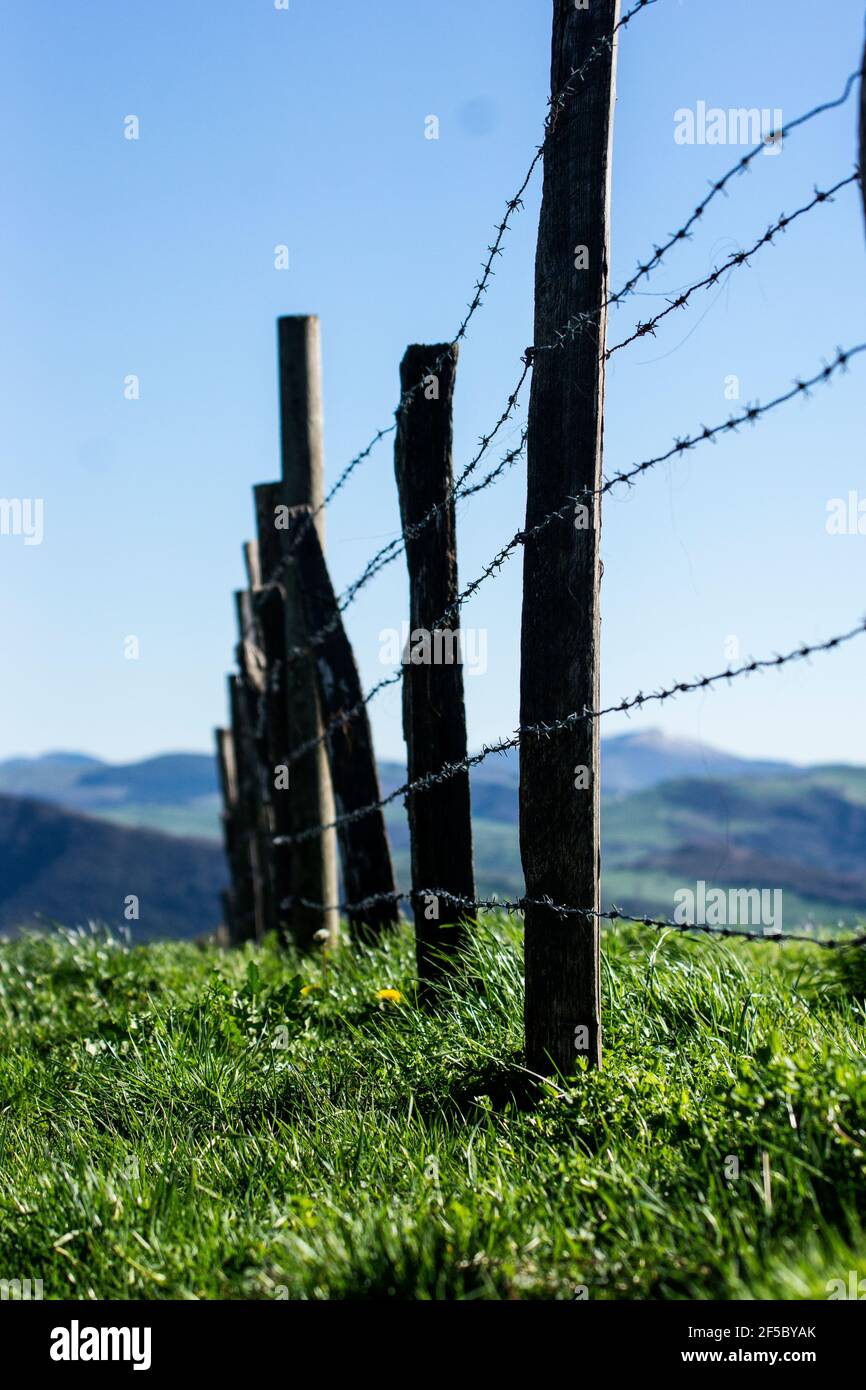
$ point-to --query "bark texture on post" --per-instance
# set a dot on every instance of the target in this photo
(271, 621)
(365, 854)
(232, 906)
(434, 718)
(252, 897)
(313, 863)
(559, 817)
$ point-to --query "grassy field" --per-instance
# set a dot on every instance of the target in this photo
(180, 1123)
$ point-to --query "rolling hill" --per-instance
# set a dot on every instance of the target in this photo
(56, 866)
(673, 813)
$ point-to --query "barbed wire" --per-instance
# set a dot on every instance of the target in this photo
(393, 549)
(389, 552)
(570, 721)
(386, 556)
(750, 415)
(574, 326)
(613, 915)
(684, 233)
(582, 323)
(739, 258)
(513, 205)
(718, 186)
(455, 493)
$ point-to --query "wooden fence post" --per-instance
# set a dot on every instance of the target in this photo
(250, 888)
(232, 835)
(276, 736)
(559, 776)
(434, 718)
(313, 863)
(365, 854)
(252, 565)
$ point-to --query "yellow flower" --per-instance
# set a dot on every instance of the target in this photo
(307, 989)
(393, 995)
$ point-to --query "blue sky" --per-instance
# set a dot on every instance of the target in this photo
(258, 127)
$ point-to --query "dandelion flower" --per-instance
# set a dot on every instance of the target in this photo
(393, 995)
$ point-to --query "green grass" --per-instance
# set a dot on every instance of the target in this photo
(180, 1123)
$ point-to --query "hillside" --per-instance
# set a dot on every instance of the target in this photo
(666, 825)
(178, 792)
(55, 866)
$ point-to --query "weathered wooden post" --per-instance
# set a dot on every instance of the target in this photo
(252, 565)
(559, 776)
(365, 854)
(434, 718)
(276, 736)
(251, 889)
(312, 863)
(228, 781)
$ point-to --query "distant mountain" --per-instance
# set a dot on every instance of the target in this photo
(673, 812)
(633, 762)
(173, 778)
(803, 832)
(51, 775)
(72, 869)
(178, 792)
(174, 792)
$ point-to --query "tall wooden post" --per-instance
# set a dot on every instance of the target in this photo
(434, 718)
(365, 854)
(313, 863)
(252, 896)
(276, 735)
(228, 779)
(559, 776)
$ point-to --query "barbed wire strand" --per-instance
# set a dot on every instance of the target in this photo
(613, 915)
(582, 323)
(572, 329)
(719, 186)
(570, 721)
(494, 250)
(457, 492)
(750, 415)
(739, 258)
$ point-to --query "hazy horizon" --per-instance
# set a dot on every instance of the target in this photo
(622, 735)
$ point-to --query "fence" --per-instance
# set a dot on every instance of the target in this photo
(299, 776)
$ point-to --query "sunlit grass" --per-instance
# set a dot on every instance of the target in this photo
(185, 1123)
